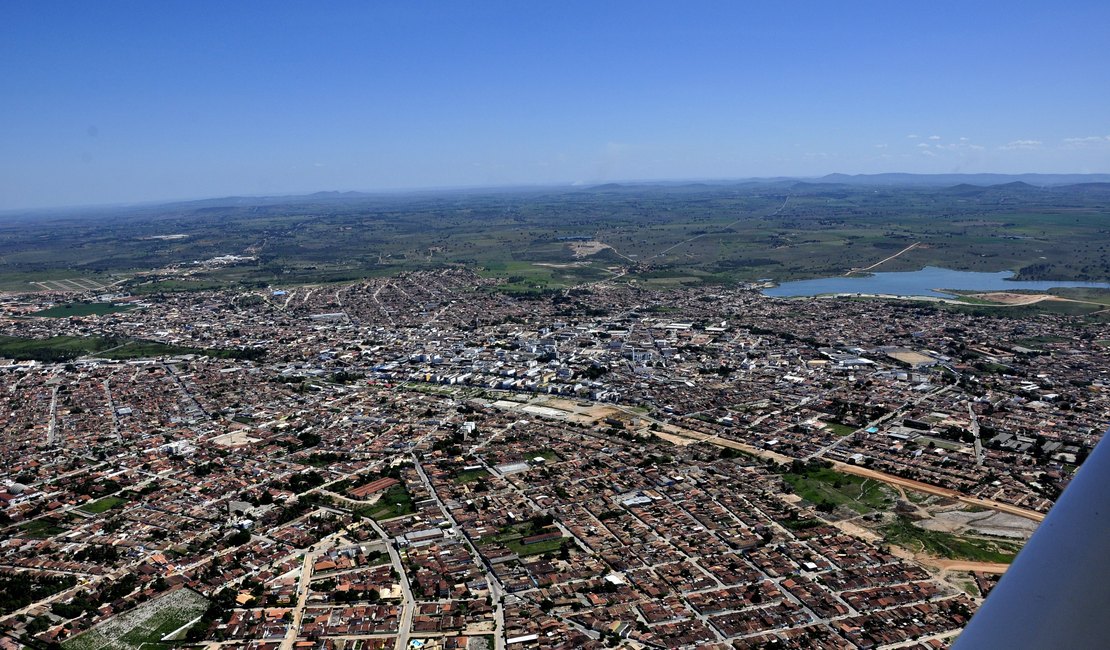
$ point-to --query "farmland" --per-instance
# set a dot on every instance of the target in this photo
(659, 235)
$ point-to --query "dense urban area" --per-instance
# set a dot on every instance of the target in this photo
(426, 461)
(488, 325)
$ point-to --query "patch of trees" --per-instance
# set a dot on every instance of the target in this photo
(594, 372)
(303, 482)
(17, 590)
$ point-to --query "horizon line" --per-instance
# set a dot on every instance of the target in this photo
(512, 186)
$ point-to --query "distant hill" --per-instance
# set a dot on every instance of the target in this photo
(334, 194)
(831, 185)
(966, 188)
(1090, 189)
(942, 180)
(1017, 186)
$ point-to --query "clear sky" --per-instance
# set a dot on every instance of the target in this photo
(108, 101)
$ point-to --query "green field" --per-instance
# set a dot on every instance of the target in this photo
(840, 429)
(82, 309)
(471, 475)
(940, 442)
(144, 349)
(548, 455)
(1044, 308)
(512, 535)
(394, 502)
(1100, 296)
(103, 505)
(172, 286)
(66, 348)
(57, 348)
(822, 486)
(145, 626)
(538, 548)
(40, 529)
(902, 532)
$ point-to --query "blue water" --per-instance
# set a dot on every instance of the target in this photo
(919, 283)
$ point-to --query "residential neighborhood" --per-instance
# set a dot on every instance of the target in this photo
(424, 461)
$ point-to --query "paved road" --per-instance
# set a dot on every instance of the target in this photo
(408, 604)
(876, 422)
(974, 427)
(495, 590)
(52, 425)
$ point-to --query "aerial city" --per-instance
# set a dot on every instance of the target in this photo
(513, 348)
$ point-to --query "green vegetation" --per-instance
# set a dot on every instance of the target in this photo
(173, 286)
(103, 505)
(730, 453)
(1101, 296)
(54, 349)
(547, 454)
(801, 524)
(1038, 341)
(969, 587)
(394, 502)
(40, 528)
(828, 489)
(513, 535)
(145, 626)
(66, 348)
(1043, 308)
(82, 309)
(17, 590)
(538, 548)
(840, 429)
(471, 475)
(903, 532)
(919, 498)
(142, 349)
(534, 240)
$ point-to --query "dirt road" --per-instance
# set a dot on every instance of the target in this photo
(939, 491)
(889, 479)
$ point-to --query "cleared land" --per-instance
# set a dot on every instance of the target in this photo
(903, 532)
(994, 524)
(145, 626)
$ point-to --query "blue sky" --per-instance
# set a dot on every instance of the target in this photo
(110, 101)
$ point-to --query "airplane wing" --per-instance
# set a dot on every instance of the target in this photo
(1057, 591)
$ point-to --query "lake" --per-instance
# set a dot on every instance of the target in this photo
(920, 283)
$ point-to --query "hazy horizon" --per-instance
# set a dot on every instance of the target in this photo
(124, 102)
(524, 187)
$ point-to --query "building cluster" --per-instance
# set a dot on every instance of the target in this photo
(425, 459)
